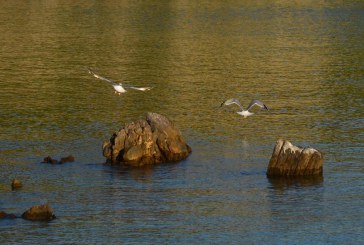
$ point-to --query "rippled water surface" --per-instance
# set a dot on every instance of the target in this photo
(303, 60)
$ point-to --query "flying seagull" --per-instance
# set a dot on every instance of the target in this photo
(119, 88)
(245, 113)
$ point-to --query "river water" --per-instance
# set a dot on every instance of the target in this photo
(303, 59)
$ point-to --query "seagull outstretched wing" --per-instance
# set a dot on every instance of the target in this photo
(258, 103)
(100, 77)
(139, 88)
(232, 101)
(115, 83)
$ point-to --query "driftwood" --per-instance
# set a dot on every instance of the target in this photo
(289, 160)
(143, 142)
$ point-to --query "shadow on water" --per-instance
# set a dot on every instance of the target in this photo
(280, 183)
(137, 173)
(141, 173)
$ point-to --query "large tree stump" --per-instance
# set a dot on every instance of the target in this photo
(290, 160)
(150, 141)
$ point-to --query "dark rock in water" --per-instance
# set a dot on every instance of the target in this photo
(150, 141)
(4, 215)
(48, 159)
(69, 158)
(16, 184)
(290, 160)
(39, 213)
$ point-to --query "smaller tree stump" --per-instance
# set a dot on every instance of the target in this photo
(290, 160)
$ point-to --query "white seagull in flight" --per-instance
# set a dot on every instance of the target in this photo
(245, 113)
(119, 89)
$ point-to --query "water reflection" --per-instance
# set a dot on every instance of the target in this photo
(296, 202)
(282, 183)
(143, 173)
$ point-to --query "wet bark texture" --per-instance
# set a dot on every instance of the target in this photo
(290, 160)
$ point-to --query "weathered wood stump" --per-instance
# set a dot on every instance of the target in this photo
(150, 141)
(290, 160)
(39, 213)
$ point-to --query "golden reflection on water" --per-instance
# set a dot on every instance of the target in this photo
(290, 55)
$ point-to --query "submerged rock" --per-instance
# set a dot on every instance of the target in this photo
(290, 160)
(39, 213)
(150, 141)
(49, 159)
(16, 184)
(4, 215)
(69, 158)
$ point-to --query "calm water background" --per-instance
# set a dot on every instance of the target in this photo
(304, 60)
